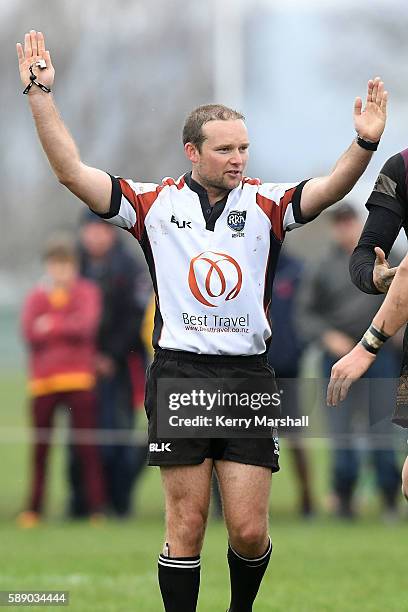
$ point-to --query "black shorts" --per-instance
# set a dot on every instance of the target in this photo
(192, 451)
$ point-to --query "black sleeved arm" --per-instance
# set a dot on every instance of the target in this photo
(381, 229)
(387, 207)
(390, 189)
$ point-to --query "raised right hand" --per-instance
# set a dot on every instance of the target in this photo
(382, 273)
(34, 50)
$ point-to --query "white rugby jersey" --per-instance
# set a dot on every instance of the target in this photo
(212, 275)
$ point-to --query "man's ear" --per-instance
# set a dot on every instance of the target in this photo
(192, 152)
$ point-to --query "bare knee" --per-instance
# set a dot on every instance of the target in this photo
(187, 491)
(185, 529)
(249, 537)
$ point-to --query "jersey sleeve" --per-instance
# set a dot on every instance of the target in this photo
(281, 204)
(130, 203)
(381, 229)
(390, 189)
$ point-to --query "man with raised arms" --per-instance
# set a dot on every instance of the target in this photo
(211, 240)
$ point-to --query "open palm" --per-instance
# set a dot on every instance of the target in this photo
(370, 121)
(34, 51)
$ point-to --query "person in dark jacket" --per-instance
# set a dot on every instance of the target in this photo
(104, 259)
(284, 356)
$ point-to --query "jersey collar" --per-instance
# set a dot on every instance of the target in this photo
(210, 213)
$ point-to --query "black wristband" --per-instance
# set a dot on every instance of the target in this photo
(378, 334)
(368, 346)
(366, 144)
(373, 339)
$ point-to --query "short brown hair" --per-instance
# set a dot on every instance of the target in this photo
(192, 130)
(60, 248)
(343, 211)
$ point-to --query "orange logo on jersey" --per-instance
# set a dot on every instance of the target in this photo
(213, 265)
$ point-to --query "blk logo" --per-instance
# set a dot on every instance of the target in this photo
(154, 447)
(180, 224)
(214, 275)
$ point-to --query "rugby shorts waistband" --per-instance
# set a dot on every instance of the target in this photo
(203, 358)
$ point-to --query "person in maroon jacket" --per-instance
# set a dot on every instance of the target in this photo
(59, 323)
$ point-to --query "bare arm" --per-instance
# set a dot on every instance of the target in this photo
(391, 316)
(321, 192)
(393, 312)
(91, 185)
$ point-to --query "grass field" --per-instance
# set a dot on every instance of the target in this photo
(319, 565)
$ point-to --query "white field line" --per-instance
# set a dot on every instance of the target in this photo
(64, 436)
(13, 435)
(79, 579)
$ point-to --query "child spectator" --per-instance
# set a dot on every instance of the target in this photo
(59, 322)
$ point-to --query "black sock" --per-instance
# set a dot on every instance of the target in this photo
(179, 580)
(246, 576)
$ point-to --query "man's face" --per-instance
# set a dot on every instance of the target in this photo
(98, 238)
(223, 156)
(346, 232)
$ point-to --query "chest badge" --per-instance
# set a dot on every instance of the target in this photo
(236, 221)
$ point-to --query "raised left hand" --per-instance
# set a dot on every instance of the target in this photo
(370, 122)
(348, 369)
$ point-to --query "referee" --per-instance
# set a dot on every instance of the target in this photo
(211, 240)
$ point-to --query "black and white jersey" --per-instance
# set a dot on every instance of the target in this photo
(212, 267)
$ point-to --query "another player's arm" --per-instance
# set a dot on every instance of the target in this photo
(319, 193)
(393, 312)
(369, 268)
(91, 185)
(387, 205)
(391, 316)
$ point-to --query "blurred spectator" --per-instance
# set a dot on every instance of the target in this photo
(146, 332)
(284, 355)
(60, 321)
(333, 311)
(104, 259)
